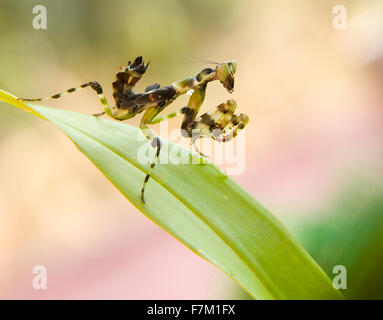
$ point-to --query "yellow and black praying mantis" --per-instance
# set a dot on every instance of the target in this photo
(221, 123)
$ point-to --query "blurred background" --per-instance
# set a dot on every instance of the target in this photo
(314, 151)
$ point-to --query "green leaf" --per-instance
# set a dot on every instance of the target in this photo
(200, 206)
(354, 222)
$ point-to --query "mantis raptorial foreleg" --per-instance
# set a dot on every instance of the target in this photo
(221, 124)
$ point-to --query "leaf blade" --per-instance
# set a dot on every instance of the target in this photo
(228, 228)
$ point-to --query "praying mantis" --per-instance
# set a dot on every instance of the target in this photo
(220, 124)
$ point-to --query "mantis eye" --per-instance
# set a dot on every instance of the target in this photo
(225, 75)
(233, 66)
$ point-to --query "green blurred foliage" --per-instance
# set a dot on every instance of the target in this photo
(87, 34)
(349, 233)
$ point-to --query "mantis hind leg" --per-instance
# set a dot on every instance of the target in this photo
(155, 143)
(93, 84)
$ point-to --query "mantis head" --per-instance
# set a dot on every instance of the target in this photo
(225, 74)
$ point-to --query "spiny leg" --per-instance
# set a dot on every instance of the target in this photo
(228, 125)
(218, 118)
(221, 124)
(155, 143)
(172, 115)
(168, 116)
(93, 84)
(216, 122)
(190, 112)
(98, 114)
(163, 97)
(151, 117)
(237, 123)
(193, 143)
(192, 109)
